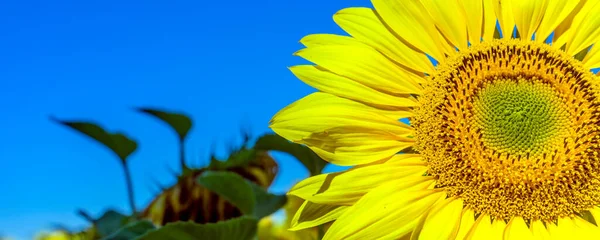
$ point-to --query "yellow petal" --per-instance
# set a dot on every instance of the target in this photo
(528, 15)
(587, 31)
(563, 230)
(365, 25)
(345, 112)
(516, 229)
(384, 213)
(556, 12)
(448, 18)
(411, 22)
(498, 227)
(340, 130)
(351, 145)
(592, 59)
(406, 160)
(485, 230)
(539, 231)
(504, 12)
(580, 29)
(473, 11)
(329, 82)
(414, 235)
(489, 20)
(347, 187)
(563, 30)
(313, 214)
(365, 65)
(325, 39)
(443, 221)
(466, 222)
(585, 229)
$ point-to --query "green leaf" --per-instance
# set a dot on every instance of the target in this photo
(243, 228)
(116, 142)
(231, 187)
(179, 122)
(110, 222)
(250, 198)
(240, 158)
(266, 203)
(131, 230)
(307, 157)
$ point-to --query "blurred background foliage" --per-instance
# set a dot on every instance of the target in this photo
(226, 199)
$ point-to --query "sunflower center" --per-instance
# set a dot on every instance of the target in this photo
(511, 126)
(520, 116)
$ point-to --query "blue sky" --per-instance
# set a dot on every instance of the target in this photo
(222, 62)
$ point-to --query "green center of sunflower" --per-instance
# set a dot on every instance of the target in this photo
(512, 128)
(520, 116)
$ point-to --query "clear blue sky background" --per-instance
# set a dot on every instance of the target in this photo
(222, 62)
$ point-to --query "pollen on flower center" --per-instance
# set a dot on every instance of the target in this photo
(511, 127)
(520, 116)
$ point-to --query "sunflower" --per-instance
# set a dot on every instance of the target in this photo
(503, 111)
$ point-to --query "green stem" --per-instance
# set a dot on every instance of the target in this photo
(182, 155)
(129, 188)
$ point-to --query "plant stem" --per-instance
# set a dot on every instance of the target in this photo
(129, 188)
(182, 155)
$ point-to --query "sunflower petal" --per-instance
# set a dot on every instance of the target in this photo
(504, 12)
(467, 220)
(449, 19)
(411, 22)
(592, 59)
(325, 39)
(340, 130)
(330, 82)
(486, 230)
(365, 25)
(539, 231)
(366, 65)
(355, 145)
(588, 32)
(443, 221)
(473, 12)
(585, 229)
(556, 12)
(324, 105)
(563, 230)
(528, 15)
(313, 214)
(498, 227)
(489, 20)
(517, 229)
(563, 30)
(584, 29)
(342, 188)
(384, 213)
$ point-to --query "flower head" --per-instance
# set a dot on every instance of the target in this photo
(503, 139)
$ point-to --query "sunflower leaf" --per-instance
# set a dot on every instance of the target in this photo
(242, 228)
(240, 158)
(118, 143)
(231, 187)
(131, 230)
(266, 203)
(307, 157)
(110, 222)
(179, 122)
